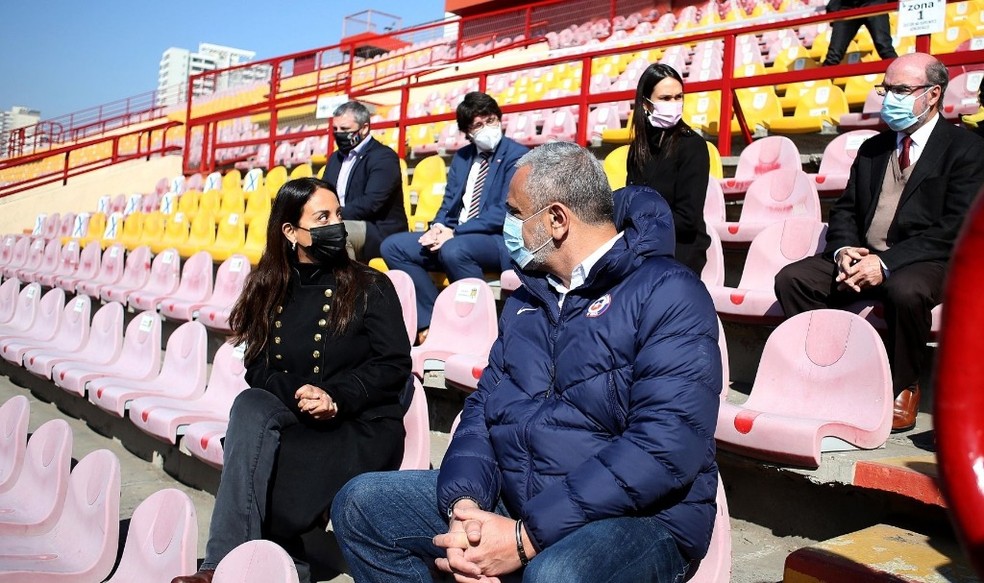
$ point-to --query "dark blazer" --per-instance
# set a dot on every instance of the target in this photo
(937, 197)
(364, 370)
(374, 193)
(492, 213)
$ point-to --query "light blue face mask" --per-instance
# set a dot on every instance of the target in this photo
(897, 111)
(512, 234)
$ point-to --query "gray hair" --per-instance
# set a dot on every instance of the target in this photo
(565, 172)
(936, 74)
(359, 112)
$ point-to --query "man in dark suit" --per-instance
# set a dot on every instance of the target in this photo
(465, 238)
(366, 176)
(842, 32)
(891, 233)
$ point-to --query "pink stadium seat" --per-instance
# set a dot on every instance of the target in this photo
(25, 311)
(203, 440)
(27, 260)
(65, 226)
(509, 281)
(102, 342)
(18, 255)
(67, 263)
(714, 208)
(416, 449)
(823, 384)
(9, 293)
(754, 300)
(34, 503)
(776, 195)
(713, 272)
(462, 371)
(256, 561)
(88, 267)
(162, 185)
(45, 324)
(150, 203)
(761, 156)
(229, 281)
(71, 330)
(81, 546)
(136, 273)
(961, 95)
(869, 117)
(48, 264)
(835, 165)
(193, 290)
(14, 415)
(110, 271)
(604, 117)
(166, 417)
(194, 182)
(715, 567)
(7, 249)
(162, 541)
(139, 358)
(408, 300)
(559, 126)
(163, 281)
(182, 375)
(464, 322)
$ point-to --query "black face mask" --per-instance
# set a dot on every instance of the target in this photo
(327, 243)
(347, 140)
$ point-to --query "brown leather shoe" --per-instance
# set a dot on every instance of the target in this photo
(906, 408)
(203, 576)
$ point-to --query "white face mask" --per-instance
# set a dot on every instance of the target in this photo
(665, 114)
(487, 138)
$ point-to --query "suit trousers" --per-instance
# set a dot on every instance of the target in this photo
(908, 295)
(461, 256)
(842, 32)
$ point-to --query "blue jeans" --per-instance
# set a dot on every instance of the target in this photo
(385, 521)
(460, 257)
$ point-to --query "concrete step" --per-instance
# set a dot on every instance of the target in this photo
(880, 554)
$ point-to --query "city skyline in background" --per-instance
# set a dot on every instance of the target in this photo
(61, 56)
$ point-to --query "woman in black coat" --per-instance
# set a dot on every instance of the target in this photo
(669, 157)
(328, 358)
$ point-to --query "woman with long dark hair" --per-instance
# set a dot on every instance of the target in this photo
(328, 358)
(669, 157)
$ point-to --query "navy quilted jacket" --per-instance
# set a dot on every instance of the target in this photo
(605, 407)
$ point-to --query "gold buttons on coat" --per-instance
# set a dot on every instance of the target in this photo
(317, 369)
(325, 308)
(317, 337)
(278, 357)
(316, 354)
(280, 309)
(322, 322)
(328, 293)
(276, 340)
(278, 323)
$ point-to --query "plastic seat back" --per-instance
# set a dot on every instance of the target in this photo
(838, 157)
(18, 255)
(34, 503)
(136, 270)
(71, 333)
(229, 281)
(112, 265)
(7, 249)
(212, 182)
(48, 263)
(715, 567)
(165, 272)
(253, 180)
(233, 201)
(46, 319)
(464, 321)
(32, 260)
(255, 242)
(780, 194)
(14, 415)
(113, 230)
(196, 278)
(714, 209)
(68, 262)
(188, 203)
(275, 178)
(132, 230)
(256, 561)
(713, 272)
(615, 166)
(25, 310)
(764, 155)
(408, 300)
(9, 292)
(231, 235)
(90, 260)
(162, 539)
(779, 245)
(416, 421)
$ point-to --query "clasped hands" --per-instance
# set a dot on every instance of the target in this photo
(480, 545)
(315, 402)
(435, 237)
(858, 268)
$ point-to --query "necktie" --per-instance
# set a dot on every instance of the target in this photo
(904, 154)
(476, 200)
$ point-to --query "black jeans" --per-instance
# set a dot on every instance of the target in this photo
(842, 32)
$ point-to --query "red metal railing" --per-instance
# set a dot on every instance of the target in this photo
(149, 141)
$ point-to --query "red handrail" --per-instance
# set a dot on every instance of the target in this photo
(957, 413)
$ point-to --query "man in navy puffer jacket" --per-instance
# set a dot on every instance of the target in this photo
(588, 449)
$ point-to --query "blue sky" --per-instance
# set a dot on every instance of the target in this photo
(61, 56)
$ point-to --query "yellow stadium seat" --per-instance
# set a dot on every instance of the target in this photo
(794, 91)
(821, 42)
(702, 109)
(153, 228)
(275, 179)
(421, 135)
(233, 201)
(175, 233)
(257, 205)
(232, 179)
(379, 264)
(856, 89)
(951, 37)
(97, 224)
(750, 70)
(132, 230)
(301, 171)
(974, 120)
(615, 166)
(717, 168)
(428, 172)
(201, 236)
(188, 203)
(819, 110)
(230, 238)
(255, 239)
(428, 203)
(208, 202)
(758, 105)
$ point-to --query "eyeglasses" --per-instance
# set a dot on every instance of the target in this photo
(899, 90)
(478, 126)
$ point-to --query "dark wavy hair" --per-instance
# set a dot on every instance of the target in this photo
(475, 104)
(266, 286)
(640, 151)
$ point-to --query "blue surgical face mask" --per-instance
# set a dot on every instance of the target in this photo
(512, 233)
(897, 111)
